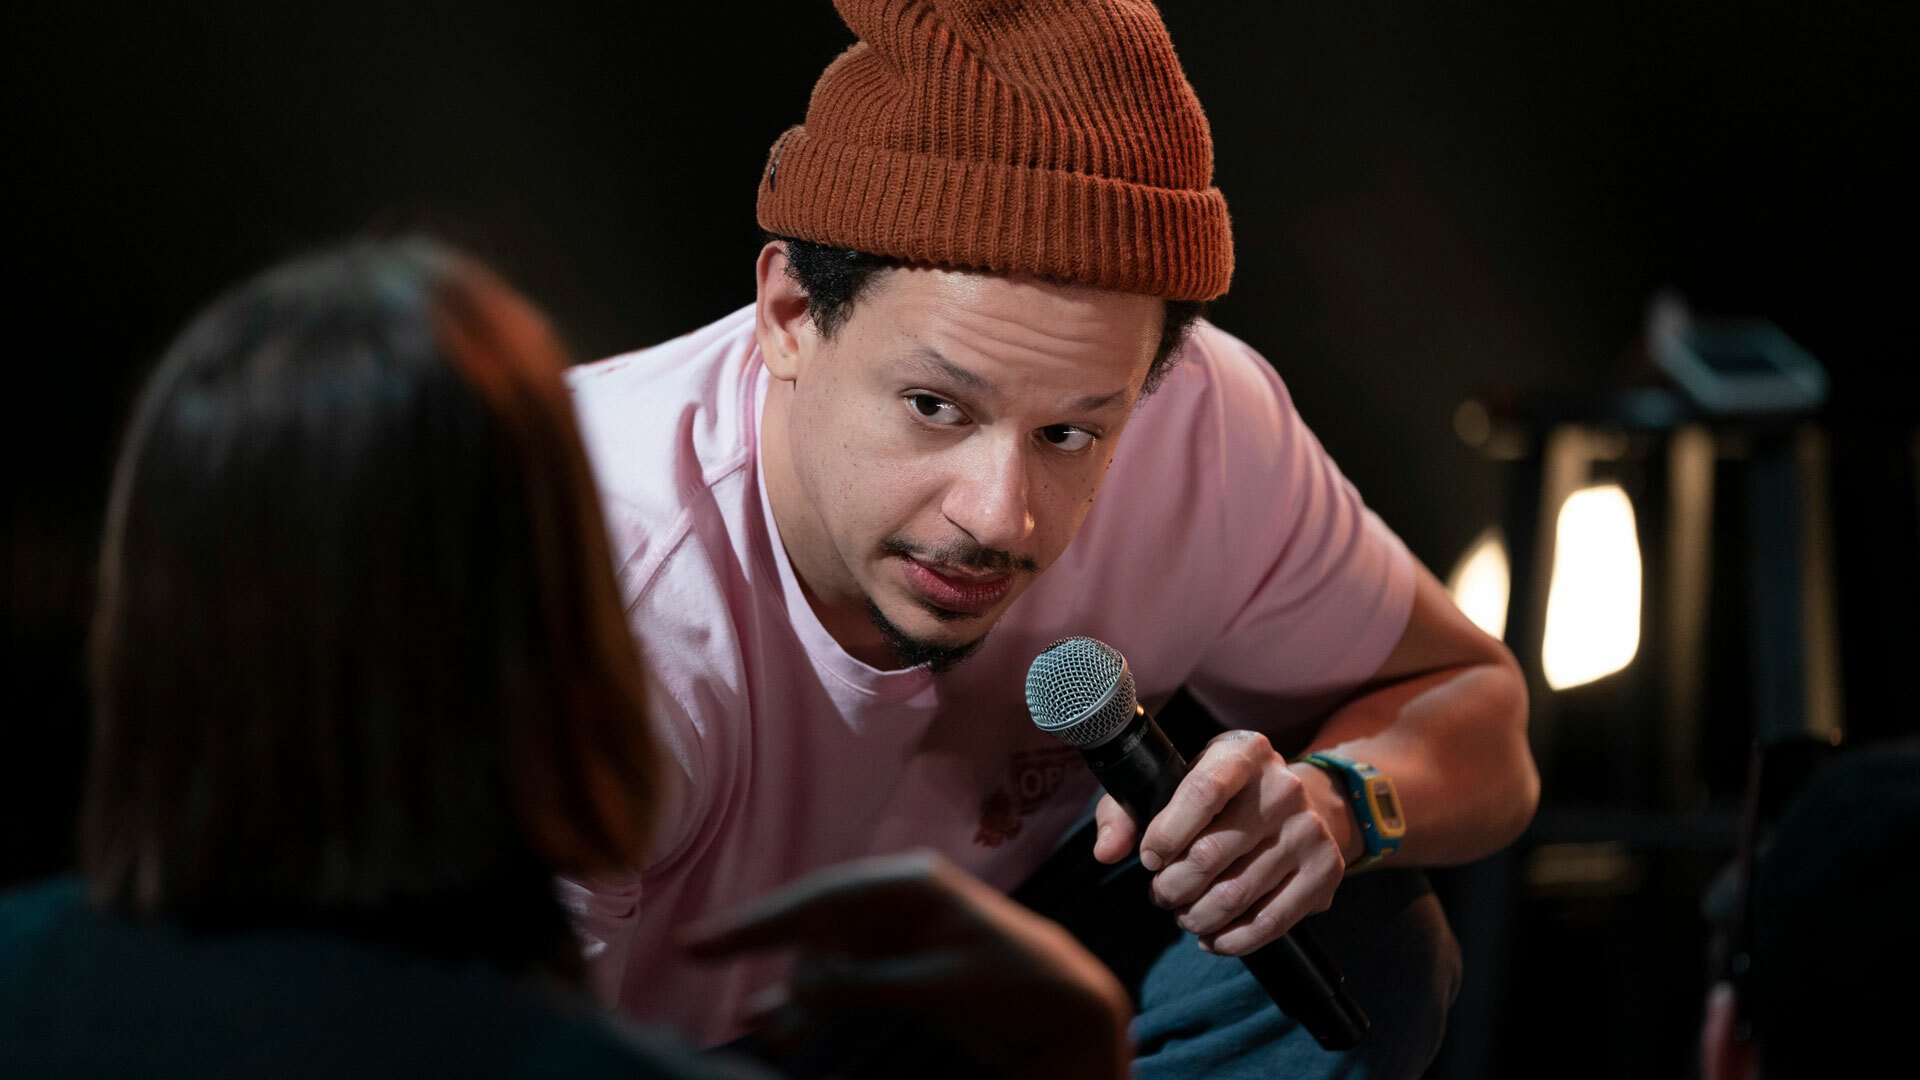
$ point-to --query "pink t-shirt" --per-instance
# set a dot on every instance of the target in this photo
(1225, 552)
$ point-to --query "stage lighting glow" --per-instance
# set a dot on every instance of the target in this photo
(1593, 604)
(1482, 582)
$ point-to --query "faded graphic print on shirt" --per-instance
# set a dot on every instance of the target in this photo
(1032, 778)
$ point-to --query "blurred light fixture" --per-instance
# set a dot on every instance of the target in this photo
(1482, 582)
(1593, 602)
(1705, 455)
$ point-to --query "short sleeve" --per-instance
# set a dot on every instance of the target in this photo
(1328, 587)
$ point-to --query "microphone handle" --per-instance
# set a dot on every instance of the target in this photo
(1140, 768)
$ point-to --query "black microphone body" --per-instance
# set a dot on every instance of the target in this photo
(1140, 768)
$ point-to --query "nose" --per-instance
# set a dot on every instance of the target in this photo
(988, 499)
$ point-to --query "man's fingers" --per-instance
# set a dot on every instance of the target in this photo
(1276, 913)
(1116, 833)
(1252, 877)
(1266, 920)
(1236, 831)
(1300, 874)
(1217, 775)
(1211, 854)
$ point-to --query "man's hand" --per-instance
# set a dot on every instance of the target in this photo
(1244, 850)
(915, 935)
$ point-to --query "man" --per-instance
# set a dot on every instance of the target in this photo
(848, 517)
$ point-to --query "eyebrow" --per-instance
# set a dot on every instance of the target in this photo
(931, 358)
(1096, 402)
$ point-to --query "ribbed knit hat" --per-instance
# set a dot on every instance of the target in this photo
(1050, 137)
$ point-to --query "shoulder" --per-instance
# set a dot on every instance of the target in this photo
(662, 426)
(1220, 381)
(1220, 411)
(1191, 492)
(1217, 354)
(1221, 420)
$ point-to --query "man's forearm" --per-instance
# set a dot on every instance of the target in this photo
(1455, 743)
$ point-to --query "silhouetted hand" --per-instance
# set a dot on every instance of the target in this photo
(914, 935)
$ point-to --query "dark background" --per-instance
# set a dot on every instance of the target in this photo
(1430, 201)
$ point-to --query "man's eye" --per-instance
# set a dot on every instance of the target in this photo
(935, 410)
(1066, 437)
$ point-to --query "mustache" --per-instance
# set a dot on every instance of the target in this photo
(962, 553)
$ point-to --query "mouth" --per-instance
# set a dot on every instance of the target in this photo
(954, 589)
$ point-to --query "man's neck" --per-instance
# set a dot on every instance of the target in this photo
(830, 591)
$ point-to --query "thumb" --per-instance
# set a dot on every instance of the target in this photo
(1117, 835)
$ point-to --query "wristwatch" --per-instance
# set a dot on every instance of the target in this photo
(1375, 805)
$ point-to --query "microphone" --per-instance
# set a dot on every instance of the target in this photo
(1081, 691)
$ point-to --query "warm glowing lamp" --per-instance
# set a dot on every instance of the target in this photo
(1593, 602)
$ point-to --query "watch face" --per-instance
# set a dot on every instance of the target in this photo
(1386, 807)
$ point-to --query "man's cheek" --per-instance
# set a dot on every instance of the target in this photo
(1068, 508)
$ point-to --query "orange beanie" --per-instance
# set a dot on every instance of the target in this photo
(1057, 138)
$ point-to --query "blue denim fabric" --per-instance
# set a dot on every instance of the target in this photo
(1204, 1016)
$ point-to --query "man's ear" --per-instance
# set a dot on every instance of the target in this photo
(1722, 1056)
(780, 320)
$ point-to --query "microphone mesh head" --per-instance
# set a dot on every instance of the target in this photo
(1080, 691)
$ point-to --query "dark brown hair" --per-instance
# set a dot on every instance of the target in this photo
(359, 649)
(833, 278)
